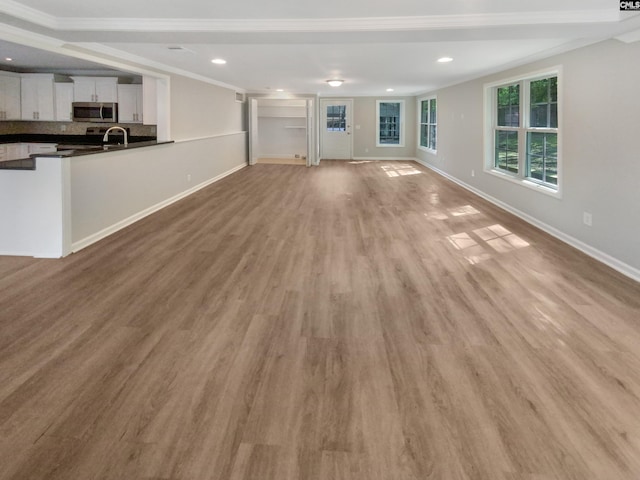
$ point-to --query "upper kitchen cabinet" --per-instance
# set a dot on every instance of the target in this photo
(130, 103)
(95, 89)
(64, 99)
(9, 96)
(37, 96)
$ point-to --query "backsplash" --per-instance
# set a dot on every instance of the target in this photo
(69, 128)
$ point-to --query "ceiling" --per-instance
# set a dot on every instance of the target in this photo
(296, 46)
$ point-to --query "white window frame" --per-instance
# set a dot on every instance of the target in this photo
(490, 125)
(419, 108)
(402, 110)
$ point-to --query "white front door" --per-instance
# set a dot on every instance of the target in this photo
(335, 129)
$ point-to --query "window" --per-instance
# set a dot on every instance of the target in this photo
(390, 123)
(523, 130)
(428, 124)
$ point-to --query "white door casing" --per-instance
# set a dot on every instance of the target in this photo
(253, 131)
(336, 141)
(310, 130)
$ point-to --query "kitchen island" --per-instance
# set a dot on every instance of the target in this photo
(74, 198)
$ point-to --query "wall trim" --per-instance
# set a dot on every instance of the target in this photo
(281, 155)
(209, 137)
(91, 239)
(585, 248)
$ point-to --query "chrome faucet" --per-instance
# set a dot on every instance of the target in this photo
(106, 134)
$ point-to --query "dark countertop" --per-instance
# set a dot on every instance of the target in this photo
(30, 163)
(64, 139)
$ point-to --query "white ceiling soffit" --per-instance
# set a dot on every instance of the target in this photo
(352, 24)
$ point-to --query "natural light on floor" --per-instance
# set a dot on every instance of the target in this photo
(474, 245)
(453, 212)
(400, 170)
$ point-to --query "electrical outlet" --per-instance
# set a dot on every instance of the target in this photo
(473, 173)
(188, 178)
(63, 128)
(587, 218)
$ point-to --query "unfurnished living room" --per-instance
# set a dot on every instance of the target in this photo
(353, 240)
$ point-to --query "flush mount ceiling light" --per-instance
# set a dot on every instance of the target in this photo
(445, 60)
(219, 61)
(279, 90)
(9, 59)
(335, 82)
(389, 89)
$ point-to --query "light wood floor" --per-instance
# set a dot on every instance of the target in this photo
(366, 321)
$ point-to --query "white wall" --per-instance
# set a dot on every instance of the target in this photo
(201, 109)
(277, 138)
(601, 163)
(112, 190)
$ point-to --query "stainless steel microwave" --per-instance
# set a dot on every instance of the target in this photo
(95, 112)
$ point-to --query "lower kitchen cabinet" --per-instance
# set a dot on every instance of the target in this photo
(15, 151)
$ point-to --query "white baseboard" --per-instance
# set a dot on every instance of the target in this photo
(387, 159)
(593, 252)
(91, 239)
(281, 155)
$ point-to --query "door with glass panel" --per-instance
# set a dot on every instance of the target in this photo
(335, 129)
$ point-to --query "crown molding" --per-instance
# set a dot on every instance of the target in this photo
(362, 24)
(100, 49)
(15, 9)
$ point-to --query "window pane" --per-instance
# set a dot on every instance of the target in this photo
(544, 103)
(424, 115)
(336, 118)
(424, 135)
(539, 115)
(554, 115)
(433, 111)
(432, 137)
(553, 89)
(389, 123)
(506, 154)
(509, 106)
(542, 157)
(540, 91)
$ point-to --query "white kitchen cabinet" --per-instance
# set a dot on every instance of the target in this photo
(9, 97)
(95, 89)
(36, 92)
(13, 151)
(64, 99)
(130, 103)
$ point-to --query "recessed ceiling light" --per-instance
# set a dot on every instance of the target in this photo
(279, 90)
(389, 89)
(445, 60)
(335, 82)
(9, 59)
(219, 61)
